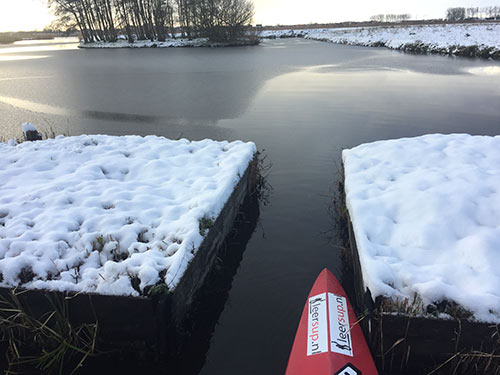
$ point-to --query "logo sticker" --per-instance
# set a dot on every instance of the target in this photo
(317, 330)
(340, 330)
(348, 369)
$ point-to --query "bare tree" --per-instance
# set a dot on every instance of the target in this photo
(219, 20)
(472, 12)
(67, 9)
(455, 14)
(236, 17)
(378, 18)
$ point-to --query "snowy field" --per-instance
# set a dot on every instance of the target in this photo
(111, 215)
(426, 218)
(446, 39)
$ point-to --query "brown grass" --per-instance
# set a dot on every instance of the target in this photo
(47, 342)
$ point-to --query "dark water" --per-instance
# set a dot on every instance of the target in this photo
(301, 101)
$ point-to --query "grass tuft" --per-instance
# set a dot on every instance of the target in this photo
(205, 223)
(263, 188)
(48, 343)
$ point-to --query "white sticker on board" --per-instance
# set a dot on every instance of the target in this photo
(348, 369)
(317, 330)
(340, 330)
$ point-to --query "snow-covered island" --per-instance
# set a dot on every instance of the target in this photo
(110, 215)
(482, 40)
(426, 219)
(177, 42)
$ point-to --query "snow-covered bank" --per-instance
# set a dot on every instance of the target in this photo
(426, 217)
(111, 215)
(168, 43)
(147, 43)
(482, 40)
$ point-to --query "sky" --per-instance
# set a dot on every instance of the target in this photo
(17, 15)
(23, 15)
(271, 12)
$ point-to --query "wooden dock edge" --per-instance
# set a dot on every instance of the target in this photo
(180, 302)
(403, 344)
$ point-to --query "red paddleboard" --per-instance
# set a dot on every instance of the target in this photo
(329, 339)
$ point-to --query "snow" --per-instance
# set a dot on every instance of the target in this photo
(168, 43)
(122, 42)
(440, 38)
(436, 38)
(426, 218)
(28, 127)
(284, 33)
(94, 213)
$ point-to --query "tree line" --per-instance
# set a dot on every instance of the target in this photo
(390, 17)
(104, 20)
(460, 13)
(452, 14)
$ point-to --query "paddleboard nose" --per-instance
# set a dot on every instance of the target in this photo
(329, 340)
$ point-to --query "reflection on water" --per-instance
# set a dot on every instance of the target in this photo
(113, 91)
(344, 68)
(35, 107)
(27, 49)
(38, 48)
(59, 40)
(97, 115)
(30, 46)
(215, 294)
(20, 57)
(485, 71)
(24, 78)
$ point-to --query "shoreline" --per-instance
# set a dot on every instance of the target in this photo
(169, 43)
(477, 40)
(466, 40)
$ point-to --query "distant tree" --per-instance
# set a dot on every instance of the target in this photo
(62, 24)
(170, 16)
(390, 17)
(236, 17)
(220, 20)
(492, 12)
(184, 16)
(497, 12)
(123, 18)
(472, 12)
(94, 17)
(66, 10)
(378, 18)
(455, 14)
(489, 12)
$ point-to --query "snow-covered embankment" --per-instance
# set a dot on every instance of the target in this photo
(178, 42)
(481, 40)
(110, 215)
(426, 218)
